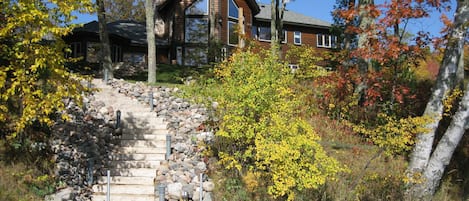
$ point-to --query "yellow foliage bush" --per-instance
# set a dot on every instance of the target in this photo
(260, 132)
(394, 135)
(33, 77)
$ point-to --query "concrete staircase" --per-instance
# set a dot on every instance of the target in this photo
(141, 147)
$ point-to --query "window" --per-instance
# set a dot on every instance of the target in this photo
(293, 67)
(233, 15)
(232, 33)
(196, 24)
(75, 47)
(196, 30)
(232, 9)
(264, 34)
(325, 40)
(116, 53)
(297, 37)
(200, 7)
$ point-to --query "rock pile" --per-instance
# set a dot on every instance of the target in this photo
(182, 172)
(81, 146)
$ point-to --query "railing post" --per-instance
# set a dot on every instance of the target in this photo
(108, 192)
(161, 191)
(201, 186)
(106, 78)
(168, 146)
(118, 119)
(90, 172)
(150, 96)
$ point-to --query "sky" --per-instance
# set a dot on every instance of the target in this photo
(321, 9)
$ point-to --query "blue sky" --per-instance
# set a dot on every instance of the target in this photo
(321, 9)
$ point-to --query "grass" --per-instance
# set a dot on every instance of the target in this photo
(20, 180)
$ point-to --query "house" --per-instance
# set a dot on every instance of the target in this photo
(191, 32)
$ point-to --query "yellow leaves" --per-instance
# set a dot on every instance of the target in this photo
(395, 136)
(450, 100)
(34, 78)
(260, 131)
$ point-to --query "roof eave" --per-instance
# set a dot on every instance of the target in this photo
(254, 6)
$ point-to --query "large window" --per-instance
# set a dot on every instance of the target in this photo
(233, 18)
(325, 40)
(196, 30)
(297, 37)
(197, 27)
(232, 33)
(200, 7)
(264, 34)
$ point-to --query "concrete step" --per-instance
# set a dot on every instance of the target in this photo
(127, 180)
(138, 157)
(133, 172)
(143, 143)
(148, 190)
(124, 197)
(159, 135)
(135, 164)
(141, 150)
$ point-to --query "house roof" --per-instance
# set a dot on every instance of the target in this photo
(129, 29)
(290, 17)
(254, 6)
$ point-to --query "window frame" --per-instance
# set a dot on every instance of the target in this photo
(258, 37)
(232, 20)
(297, 35)
(327, 40)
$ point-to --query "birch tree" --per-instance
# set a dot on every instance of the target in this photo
(424, 161)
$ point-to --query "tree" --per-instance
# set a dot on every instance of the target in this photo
(106, 61)
(425, 161)
(276, 24)
(33, 78)
(125, 10)
(151, 9)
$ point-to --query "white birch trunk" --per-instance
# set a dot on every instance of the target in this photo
(420, 162)
(445, 148)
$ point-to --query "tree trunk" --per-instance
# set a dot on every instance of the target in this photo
(150, 8)
(273, 27)
(105, 44)
(445, 148)
(420, 161)
(366, 21)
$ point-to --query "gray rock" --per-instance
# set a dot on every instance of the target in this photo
(208, 186)
(64, 194)
(175, 190)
